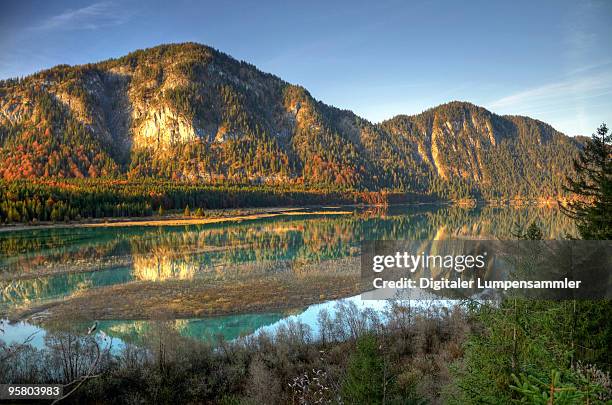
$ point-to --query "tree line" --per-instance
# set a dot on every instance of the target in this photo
(25, 201)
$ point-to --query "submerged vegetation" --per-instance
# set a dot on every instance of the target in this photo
(42, 264)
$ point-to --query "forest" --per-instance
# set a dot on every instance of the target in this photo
(27, 201)
(189, 113)
(512, 350)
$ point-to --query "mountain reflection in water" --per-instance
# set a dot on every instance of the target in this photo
(43, 265)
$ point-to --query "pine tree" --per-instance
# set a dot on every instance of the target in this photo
(533, 232)
(364, 380)
(55, 214)
(593, 214)
(187, 212)
(593, 188)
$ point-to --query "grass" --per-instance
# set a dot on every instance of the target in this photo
(240, 292)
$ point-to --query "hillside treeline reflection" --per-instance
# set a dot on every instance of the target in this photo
(38, 265)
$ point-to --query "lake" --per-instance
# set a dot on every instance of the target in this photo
(228, 279)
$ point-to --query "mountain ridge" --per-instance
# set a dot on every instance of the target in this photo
(192, 113)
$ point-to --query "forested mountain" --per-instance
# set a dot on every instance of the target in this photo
(189, 112)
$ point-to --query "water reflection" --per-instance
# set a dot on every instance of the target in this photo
(42, 265)
(205, 329)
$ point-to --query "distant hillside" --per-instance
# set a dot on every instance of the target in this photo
(192, 113)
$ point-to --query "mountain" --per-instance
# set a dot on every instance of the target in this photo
(189, 112)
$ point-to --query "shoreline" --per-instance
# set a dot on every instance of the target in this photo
(245, 214)
(250, 215)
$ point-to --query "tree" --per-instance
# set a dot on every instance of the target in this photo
(187, 212)
(592, 187)
(553, 390)
(55, 214)
(533, 232)
(592, 211)
(364, 379)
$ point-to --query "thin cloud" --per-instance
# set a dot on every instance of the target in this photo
(550, 94)
(590, 67)
(94, 16)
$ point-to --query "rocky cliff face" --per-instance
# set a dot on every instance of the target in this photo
(190, 112)
(460, 141)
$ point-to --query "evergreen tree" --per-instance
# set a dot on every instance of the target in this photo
(533, 232)
(592, 187)
(593, 214)
(364, 380)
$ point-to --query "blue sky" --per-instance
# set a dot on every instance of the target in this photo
(551, 60)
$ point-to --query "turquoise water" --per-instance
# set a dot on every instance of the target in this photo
(45, 265)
